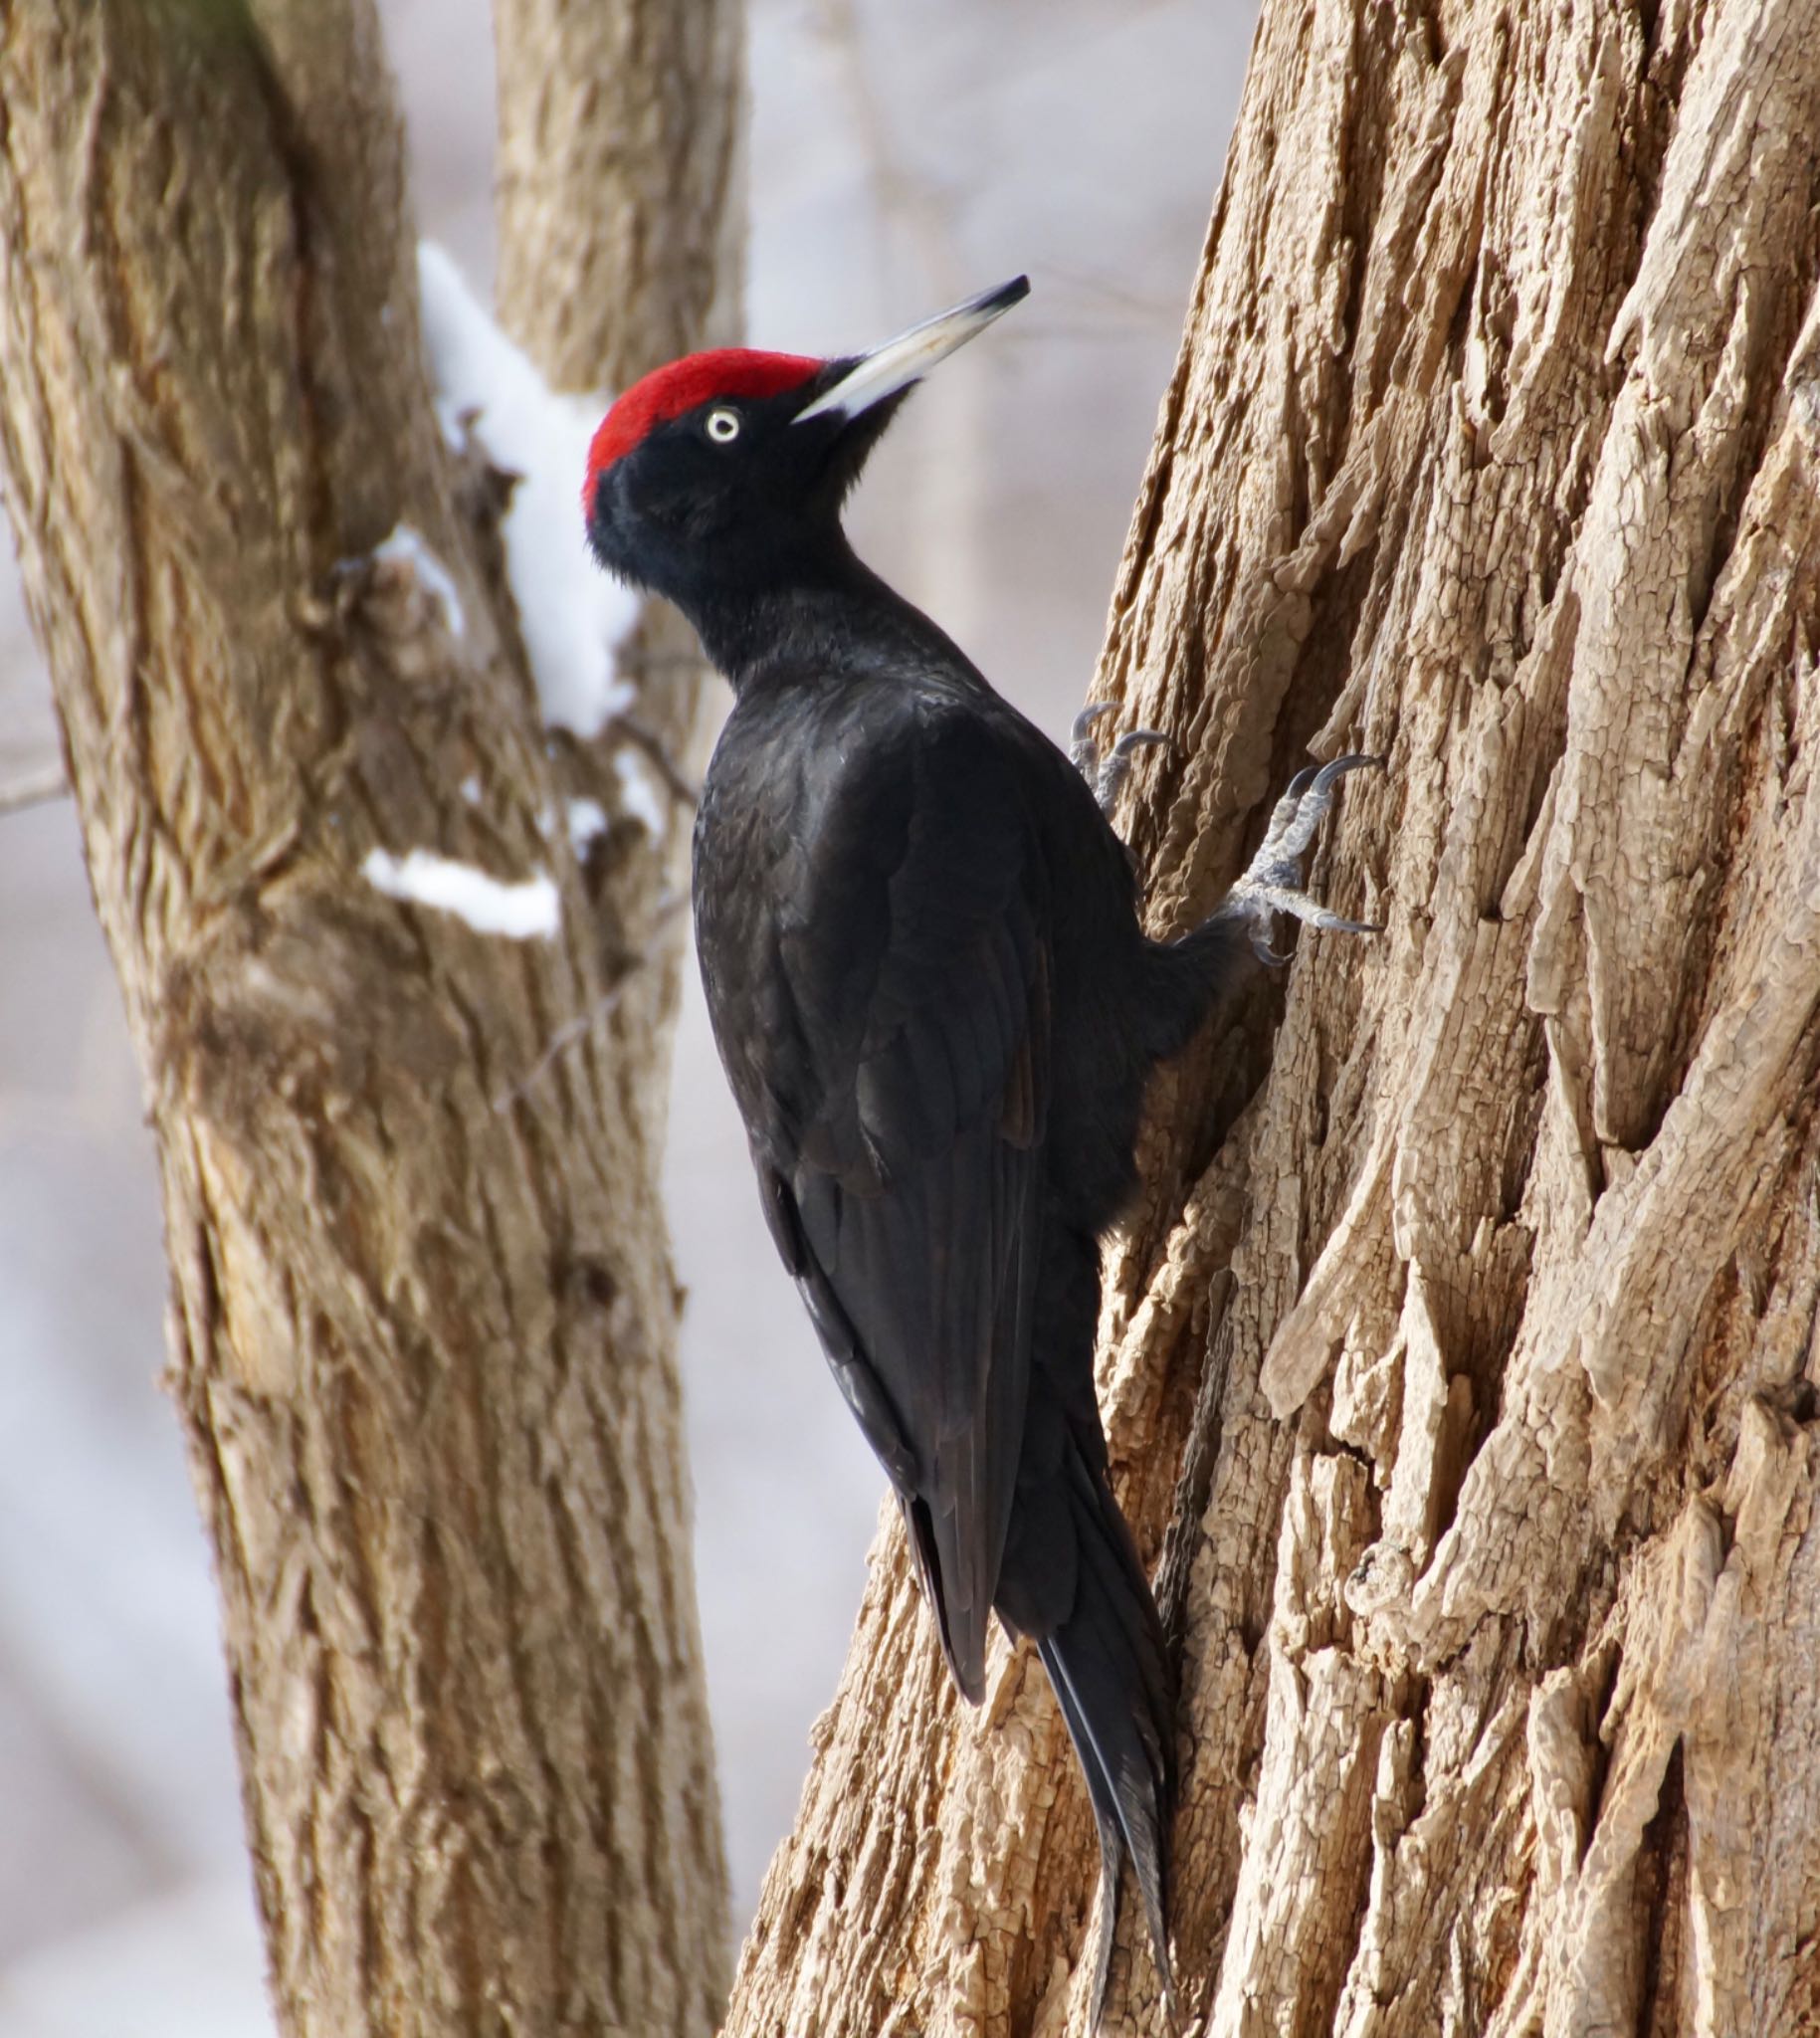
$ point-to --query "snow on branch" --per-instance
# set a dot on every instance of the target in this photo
(407, 547)
(491, 905)
(640, 794)
(574, 616)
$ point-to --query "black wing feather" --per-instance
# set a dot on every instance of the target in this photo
(897, 1109)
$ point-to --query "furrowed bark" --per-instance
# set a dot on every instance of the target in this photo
(618, 177)
(1460, 1359)
(422, 1316)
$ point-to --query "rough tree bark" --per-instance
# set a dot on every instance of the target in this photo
(619, 155)
(422, 1317)
(1461, 1357)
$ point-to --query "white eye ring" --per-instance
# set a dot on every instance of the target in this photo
(723, 426)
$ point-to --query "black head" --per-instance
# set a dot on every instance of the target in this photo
(722, 475)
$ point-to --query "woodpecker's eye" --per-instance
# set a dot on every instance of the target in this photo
(723, 426)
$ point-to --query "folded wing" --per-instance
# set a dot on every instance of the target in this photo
(896, 1104)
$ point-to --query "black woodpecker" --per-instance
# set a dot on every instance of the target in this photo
(938, 1011)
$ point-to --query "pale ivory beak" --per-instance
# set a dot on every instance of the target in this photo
(901, 362)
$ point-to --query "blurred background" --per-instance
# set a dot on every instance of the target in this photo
(900, 157)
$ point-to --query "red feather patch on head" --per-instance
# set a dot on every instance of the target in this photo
(697, 378)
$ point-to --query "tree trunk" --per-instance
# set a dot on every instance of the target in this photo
(1460, 1359)
(422, 1316)
(621, 240)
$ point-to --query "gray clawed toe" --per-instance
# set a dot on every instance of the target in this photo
(1106, 771)
(1273, 882)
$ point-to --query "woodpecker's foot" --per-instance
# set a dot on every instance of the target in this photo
(1273, 884)
(1108, 772)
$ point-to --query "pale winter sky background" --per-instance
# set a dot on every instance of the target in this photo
(901, 156)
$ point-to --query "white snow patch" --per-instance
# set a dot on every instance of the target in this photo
(408, 546)
(489, 905)
(454, 422)
(471, 789)
(575, 616)
(640, 793)
(587, 819)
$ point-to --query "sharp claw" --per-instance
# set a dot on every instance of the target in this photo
(1116, 767)
(1336, 768)
(1264, 901)
(1272, 883)
(1303, 806)
(1082, 746)
(1138, 740)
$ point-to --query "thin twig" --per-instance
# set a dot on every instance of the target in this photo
(578, 1028)
(565, 1037)
(681, 787)
(929, 215)
(34, 789)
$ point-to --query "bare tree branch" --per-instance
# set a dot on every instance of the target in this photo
(34, 788)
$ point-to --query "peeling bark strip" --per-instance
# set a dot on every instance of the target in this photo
(423, 1347)
(1462, 1358)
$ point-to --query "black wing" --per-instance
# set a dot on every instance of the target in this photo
(887, 1038)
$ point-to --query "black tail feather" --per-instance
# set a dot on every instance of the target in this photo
(1111, 1677)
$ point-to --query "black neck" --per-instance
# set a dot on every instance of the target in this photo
(809, 623)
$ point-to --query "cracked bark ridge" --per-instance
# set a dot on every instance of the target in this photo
(1459, 1357)
(422, 1340)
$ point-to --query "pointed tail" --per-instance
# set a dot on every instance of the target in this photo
(1111, 1677)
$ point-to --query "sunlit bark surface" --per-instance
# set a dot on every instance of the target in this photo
(1460, 1360)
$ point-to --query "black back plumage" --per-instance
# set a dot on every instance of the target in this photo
(872, 942)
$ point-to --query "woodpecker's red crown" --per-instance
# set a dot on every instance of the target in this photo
(669, 392)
